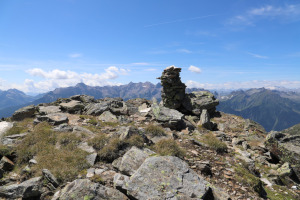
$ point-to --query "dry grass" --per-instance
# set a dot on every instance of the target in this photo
(20, 127)
(169, 147)
(99, 141)
(65, 163)
(154, 130)
(214, 143)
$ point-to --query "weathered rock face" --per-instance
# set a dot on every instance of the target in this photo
(27, 189)
(173, 91)
(286, 146)
(85, 189)
(166, 177)
(132, 160)
(23, 113)
(195, 102)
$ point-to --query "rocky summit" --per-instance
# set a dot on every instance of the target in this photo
(181, 148)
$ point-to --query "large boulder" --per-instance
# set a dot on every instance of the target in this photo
(45, 110)
(167, 177)
(173, 91)
(30, 189)
(168, 117)
(132, 160)
(96, 108)
(53, 118)
(108, 117)
(85, 189)
(23, 113)
(73, 106)
(195, 102)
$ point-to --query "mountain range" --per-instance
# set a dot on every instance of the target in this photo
(273, 109)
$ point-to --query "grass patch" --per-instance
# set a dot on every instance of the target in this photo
(169, 147)
(20, 127)
(136, 140)
(154, 130)
(4, 150)
(98, 142)
(280, 193)
(65, 163)
(214, 143)
(111, 151)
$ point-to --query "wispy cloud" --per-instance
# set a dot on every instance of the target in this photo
(183, 51)
(141, 64)
(151, 69)
(257, 55)
(75, 55)
(195, 69)
(179, 20)
(245, 84)
(287, 13)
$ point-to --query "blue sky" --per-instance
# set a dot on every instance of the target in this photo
(218, 44)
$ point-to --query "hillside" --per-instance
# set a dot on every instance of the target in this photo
(273, 109)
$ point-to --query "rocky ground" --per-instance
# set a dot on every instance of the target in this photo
(83, 148)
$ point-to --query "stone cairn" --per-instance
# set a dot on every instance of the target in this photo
(173, 91)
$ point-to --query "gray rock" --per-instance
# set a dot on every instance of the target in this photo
(23, 113)
(63, 128)
(126, 132)
(83, 98)
(132, 160)
(90, 172)
(205, 120)
(169, 117)
(166, 177)
(173, 91)
(72, 107)
(91, 158)
(116, 105)
(79, 129)
(120, 181)
(50, 178)
(12, 139)
(96, 108)
(27, 189)
(53, 118)
(85, 189)
(107, 117)
(5, 165)
(195, 102)
(45, 110)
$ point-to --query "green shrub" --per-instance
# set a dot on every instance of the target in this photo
(154, 130)
(169, 147)
(214, 143)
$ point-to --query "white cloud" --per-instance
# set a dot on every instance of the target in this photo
(257, 55)
(151, 69)
(245, 84)
(141, 64)
(287, 12)
(195, 69)
(75, 55)
(58, 78)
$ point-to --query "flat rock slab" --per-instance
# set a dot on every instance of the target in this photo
(85, 189)
(166, 177)
(54, 118)
(5, 126)
(45, 110)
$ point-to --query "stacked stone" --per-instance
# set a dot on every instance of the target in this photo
(173, 91)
